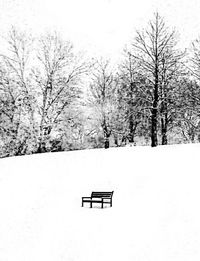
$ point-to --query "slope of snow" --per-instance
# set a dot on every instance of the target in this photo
(155, 214)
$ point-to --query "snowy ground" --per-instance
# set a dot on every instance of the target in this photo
(155, 214)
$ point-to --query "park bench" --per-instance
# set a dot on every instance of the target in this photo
(99, 197)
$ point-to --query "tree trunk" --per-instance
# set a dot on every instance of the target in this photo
(154, 140)
(107, 143)
(116, 140)
(132, 130)
(154, 113)
(132, 126)
(107, 134)
(164, 114)
(164, 121)
(164, 131)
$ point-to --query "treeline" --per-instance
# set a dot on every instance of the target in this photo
(54, 99)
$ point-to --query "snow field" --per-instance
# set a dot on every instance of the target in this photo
(155, 214)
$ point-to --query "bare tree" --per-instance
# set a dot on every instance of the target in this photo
(172, 71)
(151, 47)
(195, 59)
(132, 100)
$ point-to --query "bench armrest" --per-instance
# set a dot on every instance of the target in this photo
(85, 197)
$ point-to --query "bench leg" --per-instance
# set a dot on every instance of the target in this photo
(82, 203)
(90, 204)
(102, 204)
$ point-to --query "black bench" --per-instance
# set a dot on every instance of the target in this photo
(99, 197)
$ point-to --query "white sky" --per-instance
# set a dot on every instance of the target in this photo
(100, 26)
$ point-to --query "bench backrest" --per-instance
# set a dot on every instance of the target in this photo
(102, 194)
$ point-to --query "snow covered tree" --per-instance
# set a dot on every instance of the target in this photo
(57, 79)
(188, 110)
(102, 97)
(17, 99)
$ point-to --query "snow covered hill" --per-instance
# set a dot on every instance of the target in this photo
(155, 214)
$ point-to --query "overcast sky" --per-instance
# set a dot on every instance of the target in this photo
(100, 26)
